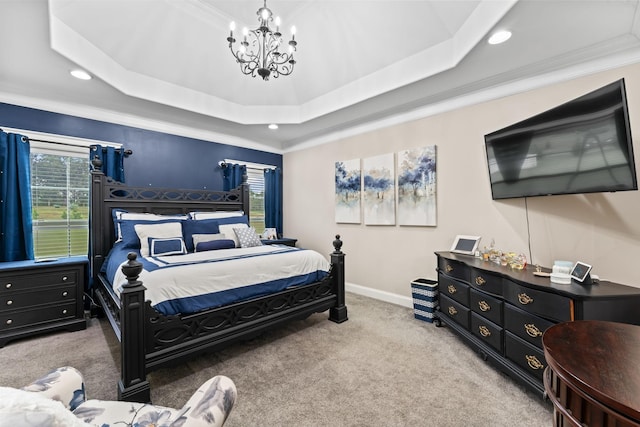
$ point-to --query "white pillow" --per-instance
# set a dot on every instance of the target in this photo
(199, 238)
(227, 230)
(166, 230)
(120, 214)
(25, 408)
(215, 215)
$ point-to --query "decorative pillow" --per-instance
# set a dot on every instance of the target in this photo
(199, 238)
(171, 246)
(247, 237)
(121, 214)
(155, 230)
(227, 230)
(213, 245)
(191, 227)
(128, 236)
(215, 215)
(234, 220)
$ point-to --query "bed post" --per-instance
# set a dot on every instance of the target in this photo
(338, 313)
(133, 385)
(95, 224)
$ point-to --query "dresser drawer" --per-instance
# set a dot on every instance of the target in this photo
(525, 325)
(454, 311)
(18, 281)
(454, 289)
(487, 306)
(545, 304)
(455, 269)
(486, 282)
(16, 319)
(487, 331)
(48, 295)
(528, 357)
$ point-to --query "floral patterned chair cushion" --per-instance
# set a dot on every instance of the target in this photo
(208, 406)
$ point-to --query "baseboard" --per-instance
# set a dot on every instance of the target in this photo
(379, 295)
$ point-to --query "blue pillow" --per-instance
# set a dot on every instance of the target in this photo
(202, 226)
(166, 246)
(234, 220)
(128, 234)
(213, 245)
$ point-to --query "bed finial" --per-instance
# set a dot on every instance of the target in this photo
(132, 270)
(337, 244)
(97, 163)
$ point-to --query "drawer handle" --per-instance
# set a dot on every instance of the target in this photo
(64, 311)
(533, 362)
(484, 331)
(9, 321)
(524, 299)
(448, 268)
(452, 311)
(8, 286)
(9, 302)
(484, 306)
(65, 293)
(64, 278)
(532, 330)
(480, 281)
(452, 289)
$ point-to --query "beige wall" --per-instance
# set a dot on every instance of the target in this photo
(602, 229)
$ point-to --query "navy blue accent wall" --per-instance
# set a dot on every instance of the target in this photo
(158, 160)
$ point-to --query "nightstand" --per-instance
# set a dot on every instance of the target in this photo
(38, 297)
(281, 241)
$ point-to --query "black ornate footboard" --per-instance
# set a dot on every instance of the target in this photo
(150, 340)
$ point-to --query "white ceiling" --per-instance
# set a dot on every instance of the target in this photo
(165, 64)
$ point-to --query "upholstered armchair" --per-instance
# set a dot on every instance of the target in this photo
(59, 399)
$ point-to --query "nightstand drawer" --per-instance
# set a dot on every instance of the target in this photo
(34, 316)
(15, 281)
(16, 300)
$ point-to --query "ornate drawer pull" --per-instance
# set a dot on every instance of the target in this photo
(533, 362)
(532, 330)
(480, 281)
(452, 311)
(9, 302)
(524, 299)
(8, 286)
(9, 321)
(65, 293)
(64, 278)
(452, 289)
(448, 268)
(484, 306)
(484, 331)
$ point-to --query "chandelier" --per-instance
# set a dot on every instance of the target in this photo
(259, 51)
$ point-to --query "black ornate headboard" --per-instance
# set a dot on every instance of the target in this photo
(107, 194)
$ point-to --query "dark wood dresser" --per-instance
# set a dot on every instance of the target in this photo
(38, 297)
(502, 313)
(593, 377)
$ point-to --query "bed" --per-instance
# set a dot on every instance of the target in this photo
(155, 333)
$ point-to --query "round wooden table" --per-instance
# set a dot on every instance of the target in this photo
(593, 373)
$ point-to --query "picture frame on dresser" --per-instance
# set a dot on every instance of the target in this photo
(465, 245)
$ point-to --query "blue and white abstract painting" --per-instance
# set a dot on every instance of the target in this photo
(417, 186)
(379, 190)
(348, 191)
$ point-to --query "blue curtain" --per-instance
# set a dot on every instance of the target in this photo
(112, 160)
(232, 175)
(273, 199)
(16, 234)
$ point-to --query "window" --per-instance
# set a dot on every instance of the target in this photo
(60, 199)
(255, 179)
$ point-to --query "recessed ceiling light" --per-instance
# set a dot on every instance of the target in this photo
(500, 37)
(273, 126)
(81, 74)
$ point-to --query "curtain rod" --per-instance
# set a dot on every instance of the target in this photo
(92, 147)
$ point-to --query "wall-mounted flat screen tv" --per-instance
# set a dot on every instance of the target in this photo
(582, 146)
